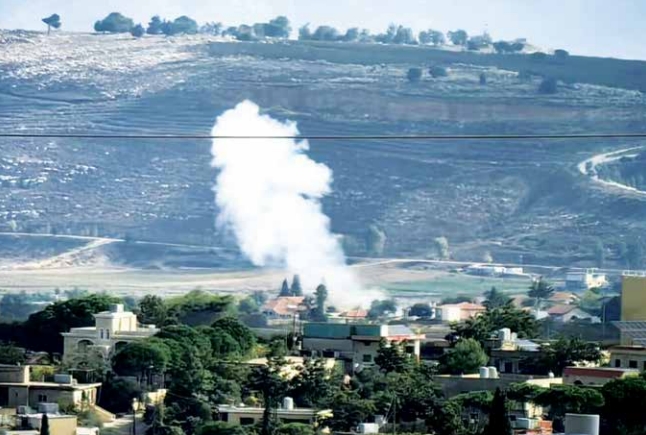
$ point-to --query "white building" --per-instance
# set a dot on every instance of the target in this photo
(113, 329)
(585, 280)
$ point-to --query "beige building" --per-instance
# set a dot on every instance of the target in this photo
(595, 376)
(58, 424)
(356, 343)
(249, 415)
(112, 329)
(16, 389)
(450, 313)
(628, 357)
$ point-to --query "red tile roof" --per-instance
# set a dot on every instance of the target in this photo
(355, 314)
(284, 305)
(559, 310)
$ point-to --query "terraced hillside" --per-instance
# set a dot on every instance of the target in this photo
(507, 198)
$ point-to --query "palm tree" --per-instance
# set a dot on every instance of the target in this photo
(540, 290)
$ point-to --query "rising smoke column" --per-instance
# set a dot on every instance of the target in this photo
(268, 194)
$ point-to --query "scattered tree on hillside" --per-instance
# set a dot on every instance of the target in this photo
(414, 75)
(437, 71)
(599, 254)
(387, 38)
(54, 21)
(376, 239)
(304, 33)
(296, 289)
(114, 23)
(433, 37)
(483, 81)
(479, 42)
(549, 85)
(325, 33)
(182, 25)
(441, 245)
(503, 47)
(466, 357)
(404, 35)
(212, 28)
(351, 35)
(499, 423)
(138, 31)
(284, 289)
(540, 290)
(458, 37)
(561, 54)
(155, 26)
(279, 27)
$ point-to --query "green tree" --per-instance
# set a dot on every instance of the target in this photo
(117, 394)
(279, 27)
(392, 358)
(420, 309)
(142, 358)
(184, 25)
(434, 37)
(565, 352)
(312, 386)
(243, 335)
(268, 380)
(54, 21)
(152, 310)
(625, 401)
(44, 425)
(198, 307)
(295, 429)
(248, 306)
(348, 410)
(482, 327)
(154, 26)
(114, 23)
(458, 37)
(466, 357)
(11, 354)
(495, 299)
(221, 428)
(296, 289)
(284, 289)
(499, 423)
(138, 31)
(321, 295)
(44, 328)
(540, 290)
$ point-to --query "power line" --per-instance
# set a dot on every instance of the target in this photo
(421, 137)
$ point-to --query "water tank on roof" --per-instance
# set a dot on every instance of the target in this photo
(504, 334)
(368, 428)
(63, 379)
(484, 372)
(48, 408)
(288, 403)
(493, 372)
(581, 424)
(116, 308)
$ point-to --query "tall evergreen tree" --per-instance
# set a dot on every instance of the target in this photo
(499, 423)
(44, 425)
(296, 289)
(284, 289)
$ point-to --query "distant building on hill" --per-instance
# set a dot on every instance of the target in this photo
(508, 352)
(287, 413)
(355, 343)
(595, 376)
(459, 312)
(112, 329)
(282, 308)
(585, 280)
(567, 313)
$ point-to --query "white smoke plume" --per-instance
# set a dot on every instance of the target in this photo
(268, 192)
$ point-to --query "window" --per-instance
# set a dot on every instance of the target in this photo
(367, 358)
(632, 364)
(247, 421)
(107, 334)
(617, 363)
(224, 417)
(509, 367)
(42, 398)
(101, 334)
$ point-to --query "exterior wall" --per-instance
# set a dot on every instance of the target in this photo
(237, 417)
(454, 385)
(18, 396)
(633, 298)
(345, 347)
(627, 358)
(58, 425)
(450, 314)
(15, 374)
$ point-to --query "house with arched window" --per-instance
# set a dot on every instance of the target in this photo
(112, 330)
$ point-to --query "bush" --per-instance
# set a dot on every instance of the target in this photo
(185, 25)
(114, 23)
(548, 86)
(414, 75)
(561, 54)
(538, 56)
(437, 71)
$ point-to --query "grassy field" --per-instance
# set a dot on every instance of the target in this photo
(456, 284)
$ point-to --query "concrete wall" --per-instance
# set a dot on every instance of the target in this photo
(628, 358)
(17, 374)
(58, 425)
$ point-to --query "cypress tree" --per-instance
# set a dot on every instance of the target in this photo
(499, 423)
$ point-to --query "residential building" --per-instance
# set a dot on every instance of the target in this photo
(356, 315)
(633, 298)
(567, 313)
(293, 364)
(459, 312)
(282, 309)
(509, 353)
(112, 329)
(628, 357)
(250, 415)
(595, 376)
(355, 343)
(585, 280)
(563, 298)
(58, 424)
(16, 389)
